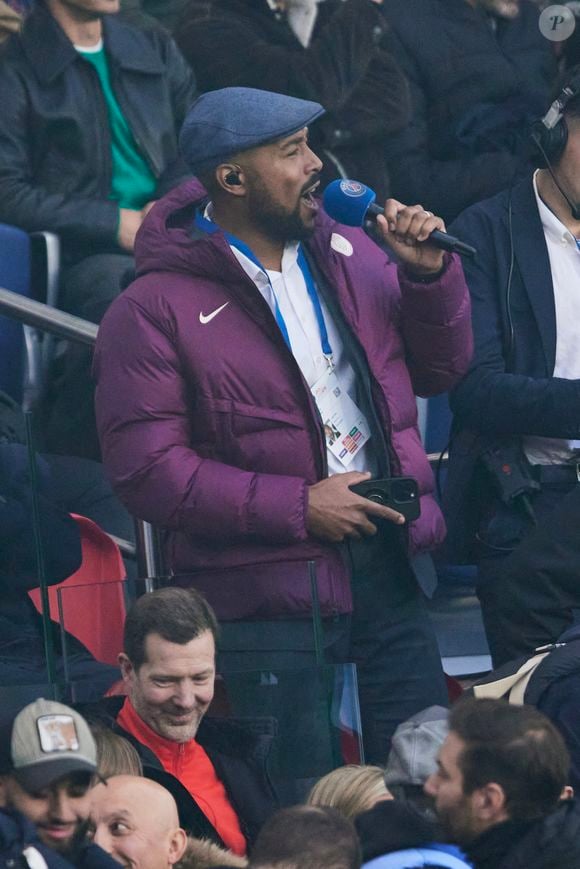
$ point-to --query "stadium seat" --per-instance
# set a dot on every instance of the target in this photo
(90, 604)
(15, 248)
(29, 265)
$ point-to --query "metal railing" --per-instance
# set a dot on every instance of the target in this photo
(56, 322)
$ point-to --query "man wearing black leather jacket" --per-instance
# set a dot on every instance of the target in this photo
(88, 141)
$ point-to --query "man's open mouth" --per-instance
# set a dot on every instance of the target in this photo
(308, 195)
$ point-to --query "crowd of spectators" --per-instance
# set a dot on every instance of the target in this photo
(154, 782)
(256, 367)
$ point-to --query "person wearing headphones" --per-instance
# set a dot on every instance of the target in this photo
(513, 489)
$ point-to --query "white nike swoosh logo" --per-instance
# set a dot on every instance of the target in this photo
(207, 318)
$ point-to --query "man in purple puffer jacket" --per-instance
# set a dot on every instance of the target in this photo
(257, 327)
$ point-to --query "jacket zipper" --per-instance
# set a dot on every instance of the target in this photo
(179, 760)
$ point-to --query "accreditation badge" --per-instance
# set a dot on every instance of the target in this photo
(346, 429)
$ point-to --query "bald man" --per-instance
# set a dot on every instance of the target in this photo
(135, 820)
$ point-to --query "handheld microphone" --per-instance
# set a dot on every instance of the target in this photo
(351, 203)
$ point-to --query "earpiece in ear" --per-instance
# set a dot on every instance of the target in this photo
(233, 179)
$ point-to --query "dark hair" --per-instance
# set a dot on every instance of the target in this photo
(307, 837)
(176, 614)
(208, 178)
(515, 746)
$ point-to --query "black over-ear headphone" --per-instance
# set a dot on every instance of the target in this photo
(233, 179)
(550, 133)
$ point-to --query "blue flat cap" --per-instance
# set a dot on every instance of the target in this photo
(224, 122)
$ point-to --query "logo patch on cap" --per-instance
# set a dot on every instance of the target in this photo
(353, 188)
(340, 243)
(57, 733)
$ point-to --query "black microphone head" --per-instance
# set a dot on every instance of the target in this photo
(348, 201)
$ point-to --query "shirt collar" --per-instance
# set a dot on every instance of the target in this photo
(258, 275)
(552, 225)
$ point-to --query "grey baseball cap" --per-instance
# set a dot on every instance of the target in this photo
(224, 122)
(45, 742)
(414, 747)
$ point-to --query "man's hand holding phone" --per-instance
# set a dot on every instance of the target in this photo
(335, 512)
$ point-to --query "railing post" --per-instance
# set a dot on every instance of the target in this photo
(148, 555)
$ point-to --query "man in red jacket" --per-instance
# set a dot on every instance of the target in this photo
(214, 767)
(256, 320)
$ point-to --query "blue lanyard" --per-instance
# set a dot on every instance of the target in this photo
(210, 227)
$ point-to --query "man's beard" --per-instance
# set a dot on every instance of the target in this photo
(274, 221)
(159, 722)
(508, 9)
(179, 732)
(71, 847)
(457, 822)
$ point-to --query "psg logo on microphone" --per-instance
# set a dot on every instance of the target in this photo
(353, 188)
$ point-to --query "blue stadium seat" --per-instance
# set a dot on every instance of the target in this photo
(29, 265)
(438, 424)
(15, 247)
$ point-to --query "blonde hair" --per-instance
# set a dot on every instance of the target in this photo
(115, 754)
(350, 789)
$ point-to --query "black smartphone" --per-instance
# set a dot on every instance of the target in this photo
(398, 493)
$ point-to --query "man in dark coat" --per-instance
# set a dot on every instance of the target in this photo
(502, 771)
(515, 454)
(330, 54)
(479, 70)
(88, 140)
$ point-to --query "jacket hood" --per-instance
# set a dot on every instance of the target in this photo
(203, 854)
(169, 241)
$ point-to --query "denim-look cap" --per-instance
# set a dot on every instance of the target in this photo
(224, 122)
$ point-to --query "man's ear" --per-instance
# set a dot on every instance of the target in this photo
(231, 178)
(489, 803)
(126, 667)
(177, 845)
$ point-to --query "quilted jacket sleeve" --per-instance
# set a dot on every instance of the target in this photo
(436, 324)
